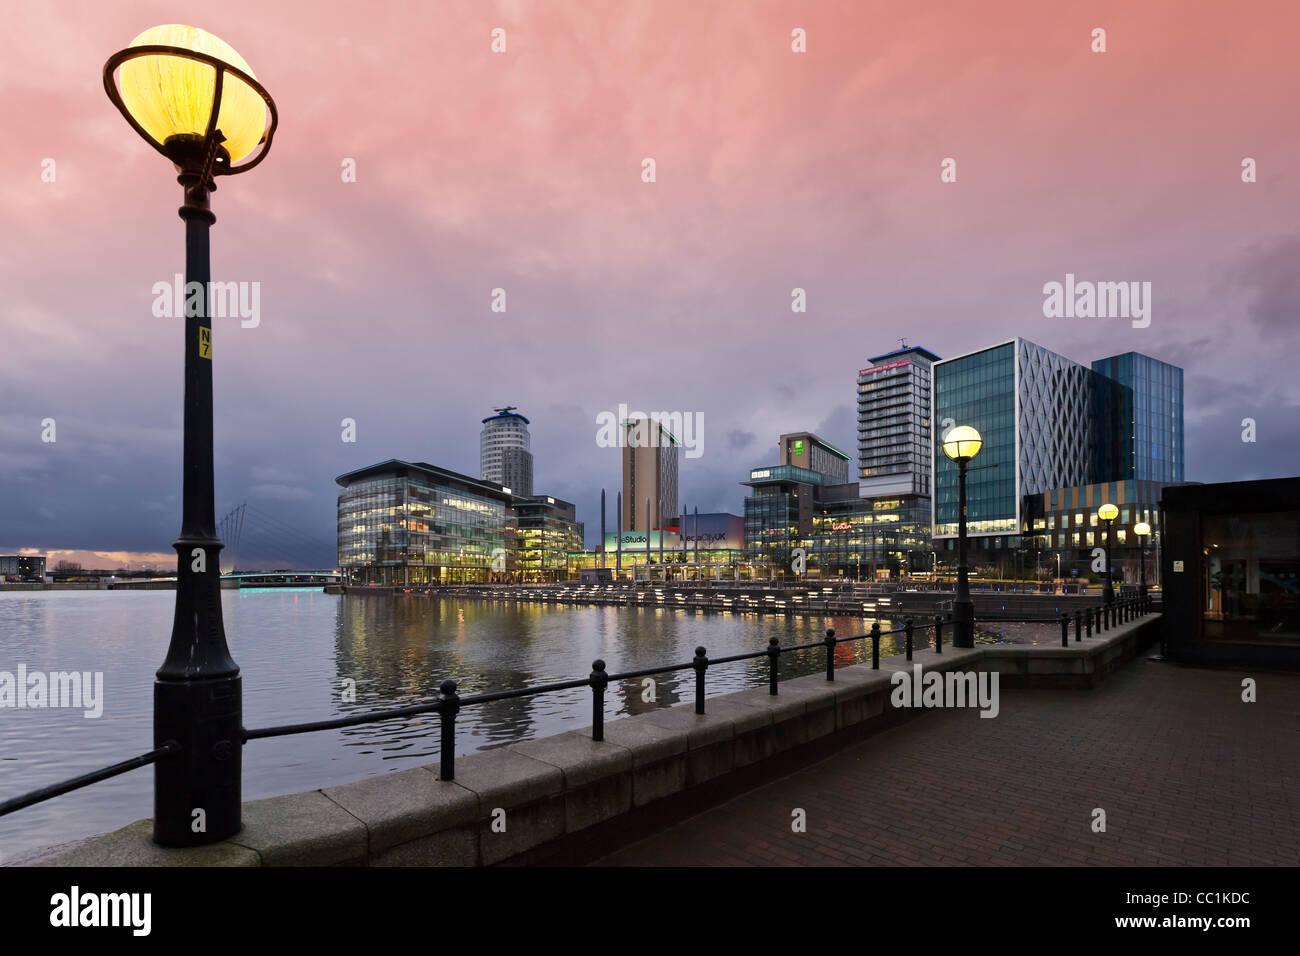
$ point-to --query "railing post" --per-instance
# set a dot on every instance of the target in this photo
(907, 632)
(1065, 629)
(447, 709)
(598, 679)
(773, 663)
(938, 633)
(830, 653)
(701, 664)
(1105, 617)
(1078, 626)
(875, 646)
(1087, 621)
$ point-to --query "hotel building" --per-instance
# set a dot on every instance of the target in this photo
(650, 465)
(894, 423)
(805, 450)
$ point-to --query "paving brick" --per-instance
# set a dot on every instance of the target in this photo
(1187, 774)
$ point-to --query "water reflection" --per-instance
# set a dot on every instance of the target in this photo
(300, 651)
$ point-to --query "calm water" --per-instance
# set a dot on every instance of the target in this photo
(296, 648)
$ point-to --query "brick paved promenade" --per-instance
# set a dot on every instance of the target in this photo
(1186, 772)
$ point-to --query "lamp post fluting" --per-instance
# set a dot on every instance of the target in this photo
(961, 444)
(195, 100)
(1108, 513)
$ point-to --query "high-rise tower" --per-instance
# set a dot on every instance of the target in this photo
(503, 449)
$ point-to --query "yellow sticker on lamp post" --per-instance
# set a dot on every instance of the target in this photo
(205, 342)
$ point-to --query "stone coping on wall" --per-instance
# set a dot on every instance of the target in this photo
(507, 803)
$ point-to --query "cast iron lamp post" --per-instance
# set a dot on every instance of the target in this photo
(1143, 531)
(961, 445)
(1108, 513)
(196, 101)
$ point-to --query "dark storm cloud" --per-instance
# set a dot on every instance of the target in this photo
(739, 440)
(522, 173)
(1269, 279)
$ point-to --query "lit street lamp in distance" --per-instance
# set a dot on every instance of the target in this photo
(195, 101)
(1108, 513)
(1143, 531)
(961, 445)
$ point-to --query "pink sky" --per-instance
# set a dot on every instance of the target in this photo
(521, 171)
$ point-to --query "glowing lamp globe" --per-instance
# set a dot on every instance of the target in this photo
(170, 79)
(1107, 512)
(962, 444)
(1141, 529)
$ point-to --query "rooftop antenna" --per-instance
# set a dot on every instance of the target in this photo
(902, 343)
(507, 410)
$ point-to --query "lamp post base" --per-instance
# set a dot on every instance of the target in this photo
(197, 790)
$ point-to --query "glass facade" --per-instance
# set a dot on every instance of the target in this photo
(548, 531)
(978, 390)
(867, 538)
(401, 523)
(772, 521)
(840, 533)
(1150, 448)
(1049, 423)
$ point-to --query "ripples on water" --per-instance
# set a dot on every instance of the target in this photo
(296, 649)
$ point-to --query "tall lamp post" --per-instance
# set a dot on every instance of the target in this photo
(1143, 531)
(195, 101)
(961, 445)
(1108, 513)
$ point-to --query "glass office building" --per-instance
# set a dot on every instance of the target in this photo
(865, 539)
(1151, 393)
(548, 531)
(978, 389)
(1049, 423)
(403, 523)
(841, 533)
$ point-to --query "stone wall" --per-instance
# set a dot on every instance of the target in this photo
(568, 799)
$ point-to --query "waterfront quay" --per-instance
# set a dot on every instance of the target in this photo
(579, 796)
(1187, 774)
(868, 602)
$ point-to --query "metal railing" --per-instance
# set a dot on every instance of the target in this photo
(450, 703)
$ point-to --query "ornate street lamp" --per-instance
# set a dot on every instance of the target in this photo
(196, 101)
(961, 445)
(1108, 513)
(1143, 531)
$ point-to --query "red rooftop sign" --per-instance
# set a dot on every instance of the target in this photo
(881, 368)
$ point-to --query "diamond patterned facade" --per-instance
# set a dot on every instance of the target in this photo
(1050, 423)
